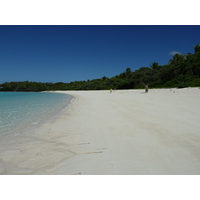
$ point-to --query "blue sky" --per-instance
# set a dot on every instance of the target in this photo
(72, 53)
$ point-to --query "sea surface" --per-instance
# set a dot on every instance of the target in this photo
(20, 111)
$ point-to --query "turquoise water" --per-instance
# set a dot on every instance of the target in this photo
(21, 110)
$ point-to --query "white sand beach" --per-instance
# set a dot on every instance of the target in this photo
(126, 132)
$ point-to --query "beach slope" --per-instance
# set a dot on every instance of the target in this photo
(126, 132)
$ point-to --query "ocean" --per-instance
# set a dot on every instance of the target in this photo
(22, 110)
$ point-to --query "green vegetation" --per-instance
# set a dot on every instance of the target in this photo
(181, 71)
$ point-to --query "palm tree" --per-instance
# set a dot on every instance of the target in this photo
(128, 72)
(197, 49)
(176, 58)
(154, 66)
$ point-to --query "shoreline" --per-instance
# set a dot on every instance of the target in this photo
(37, 119)
(123, 132)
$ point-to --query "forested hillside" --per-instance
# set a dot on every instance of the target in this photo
(181, 71)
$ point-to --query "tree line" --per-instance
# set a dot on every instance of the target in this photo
(181, 71)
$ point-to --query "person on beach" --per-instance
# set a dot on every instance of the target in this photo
(111, 90)
(146, 88)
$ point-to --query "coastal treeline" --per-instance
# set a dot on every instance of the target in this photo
(181, 71)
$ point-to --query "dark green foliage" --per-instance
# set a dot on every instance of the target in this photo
(181, 71)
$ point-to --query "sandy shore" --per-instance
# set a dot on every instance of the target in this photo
(124, 132)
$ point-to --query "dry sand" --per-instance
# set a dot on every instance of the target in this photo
(124, 132)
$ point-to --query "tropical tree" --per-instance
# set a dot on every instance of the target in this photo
(128, 72)
(154, 66)
(176, 58)
(197, 49)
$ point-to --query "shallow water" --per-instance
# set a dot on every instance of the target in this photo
(19, 110)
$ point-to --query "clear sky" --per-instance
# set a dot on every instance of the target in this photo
(76, 53)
